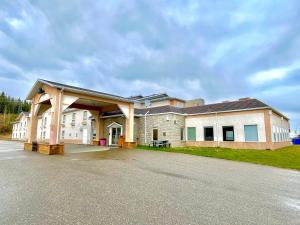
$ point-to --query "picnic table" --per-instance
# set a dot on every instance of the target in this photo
(157, 143)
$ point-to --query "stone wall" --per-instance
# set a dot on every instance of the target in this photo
(120, 120)
(168, 126)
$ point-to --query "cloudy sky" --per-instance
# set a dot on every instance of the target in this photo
(216, 50)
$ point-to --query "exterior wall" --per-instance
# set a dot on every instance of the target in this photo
(177, 103)
(73, 132)
(19, 130)
(280, 128)
(120, 120)
(43, 127)
(168, 124)
(236, 119)
(194, 102)
(153, 104)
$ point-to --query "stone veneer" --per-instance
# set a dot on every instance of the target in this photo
(120, 120)
(170, 124)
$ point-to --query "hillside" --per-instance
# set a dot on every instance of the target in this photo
(6, 122)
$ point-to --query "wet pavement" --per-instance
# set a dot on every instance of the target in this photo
(142, 187)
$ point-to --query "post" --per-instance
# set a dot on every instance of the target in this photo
(33, 123)
(99, 125)
(130, 125)
(56, 108)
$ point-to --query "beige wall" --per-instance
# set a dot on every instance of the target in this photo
(20, 129)
(280, 128)
(237, 120)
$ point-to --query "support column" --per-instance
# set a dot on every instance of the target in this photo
(99, 125)
(268, 128)
(130, 127)
(33, 123)
(56, 110)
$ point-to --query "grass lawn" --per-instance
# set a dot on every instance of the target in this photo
(288, 157)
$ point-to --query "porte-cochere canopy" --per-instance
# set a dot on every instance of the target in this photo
(47, 94)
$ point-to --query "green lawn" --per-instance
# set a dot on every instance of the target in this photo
(288, 157)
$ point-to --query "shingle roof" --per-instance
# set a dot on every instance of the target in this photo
(204, 109)
(226, 106)
(74, 89)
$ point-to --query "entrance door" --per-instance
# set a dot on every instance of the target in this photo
(115, 135)
(155, 134)
(85, 136)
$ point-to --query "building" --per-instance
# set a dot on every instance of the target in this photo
(76, 127)
(246, 123)
(20, 127)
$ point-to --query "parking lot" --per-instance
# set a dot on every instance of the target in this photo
(142, 187)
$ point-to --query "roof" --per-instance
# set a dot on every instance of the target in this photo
(154, 97)
(226, 106)
(26, 114)
(241, 105)
(74, 89)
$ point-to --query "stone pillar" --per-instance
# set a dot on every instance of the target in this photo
(130, 125)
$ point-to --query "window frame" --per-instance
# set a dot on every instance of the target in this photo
(204, 133)
(195, 134)
(251, 125)
(224, 133)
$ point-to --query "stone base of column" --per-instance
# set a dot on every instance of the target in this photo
(129, 145)
(46, 149)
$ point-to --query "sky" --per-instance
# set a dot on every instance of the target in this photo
(216, 50)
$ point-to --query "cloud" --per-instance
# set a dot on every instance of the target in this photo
(279, 74)
(196, 48)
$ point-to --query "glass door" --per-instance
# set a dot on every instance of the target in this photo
(115, 135)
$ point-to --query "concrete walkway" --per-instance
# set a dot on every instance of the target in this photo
(71, 148)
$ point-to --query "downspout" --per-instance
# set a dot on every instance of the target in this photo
(145, 136)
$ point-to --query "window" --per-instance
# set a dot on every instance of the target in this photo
(84, 115)
(63, 134)
(228, 133)
(251, 133)
(73, 117)
(45, 121)
(208, 133)
(155, 135)
(182, 134)
(164, 134)
(44, 135)
(191, 133)
(64, 119)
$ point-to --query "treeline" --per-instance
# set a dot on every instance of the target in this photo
(10, 105)
(9, 109)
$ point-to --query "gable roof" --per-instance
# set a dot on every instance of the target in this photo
(74, 89)
(241, 105)
(246, 104)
